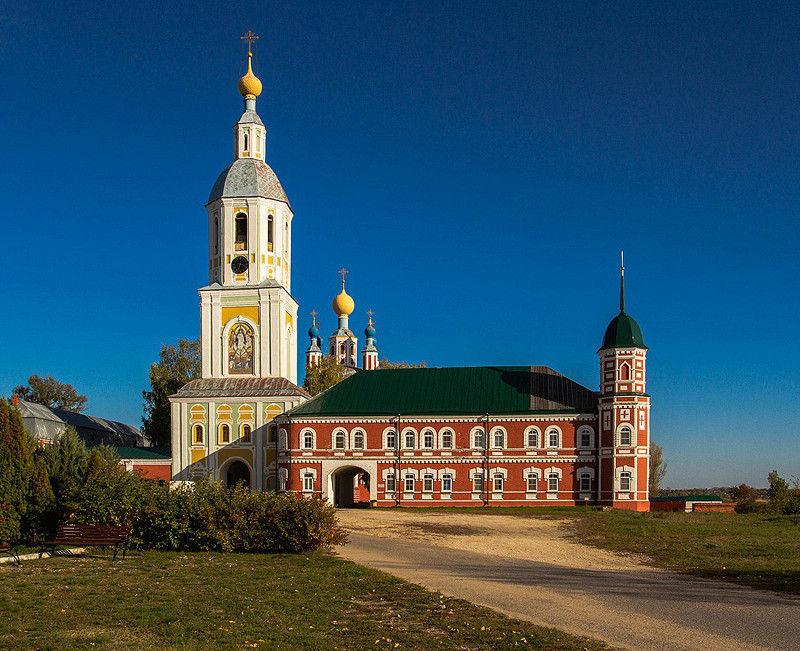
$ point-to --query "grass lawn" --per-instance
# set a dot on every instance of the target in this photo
(168, 600)
(758, 550)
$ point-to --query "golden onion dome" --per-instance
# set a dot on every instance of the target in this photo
(343, 304)
(250, 85)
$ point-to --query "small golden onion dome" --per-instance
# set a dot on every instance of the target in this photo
(343, 304)
(250, 85)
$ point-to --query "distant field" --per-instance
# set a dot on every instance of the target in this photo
(757, 550)
(167, 600)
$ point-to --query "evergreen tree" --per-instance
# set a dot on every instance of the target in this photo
(16, 466)
(41, 518)
(65, 461)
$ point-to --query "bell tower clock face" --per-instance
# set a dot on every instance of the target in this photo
(239, 264)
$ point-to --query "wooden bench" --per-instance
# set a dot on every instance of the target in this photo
(11, 550)
(90, 535)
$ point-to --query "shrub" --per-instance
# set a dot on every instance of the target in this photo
(204, 516)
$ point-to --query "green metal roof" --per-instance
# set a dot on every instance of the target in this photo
(469, 391)
(623, 332)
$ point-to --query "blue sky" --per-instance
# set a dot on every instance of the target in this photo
(476, 166)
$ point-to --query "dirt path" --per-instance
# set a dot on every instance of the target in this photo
(530, 569)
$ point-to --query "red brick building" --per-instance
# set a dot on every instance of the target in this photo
(511, 435)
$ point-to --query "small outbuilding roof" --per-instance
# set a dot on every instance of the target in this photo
(46, 423)
(472, 391)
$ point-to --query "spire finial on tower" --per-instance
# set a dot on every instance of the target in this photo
(343, 271)
(369, 314)
(250, 85)
(622, 281)
(314, 317)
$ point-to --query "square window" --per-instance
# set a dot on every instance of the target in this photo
(533, 482)
(390, 487)
(427, 483)
(585, 483)
(498, 483)
(409, 483)
(477, 483)
(308, 482)
(552, 483)
(625, 482)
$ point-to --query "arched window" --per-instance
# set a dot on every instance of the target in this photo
(271, 431)
(624, 372)
(240, 232)
(553, 438)
(258, 142)
(408, 439)
(246, 141)
(427, 439)
(585, 437)
(391, 439)
(339, 440)
(246, 434)
(532, 438)
(225, 433)
(498, 438)
(358, 440)
(240, 349)
(197, 434)
(216, 234)
(308, 440)
(477, 438)
(625, 436)
(270, 231)
(447, 439)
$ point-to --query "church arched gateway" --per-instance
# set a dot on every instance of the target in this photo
(235, 473)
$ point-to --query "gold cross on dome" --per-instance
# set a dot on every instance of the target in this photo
(250, 38)
(314, 316)
(343, 271)
(369, 314)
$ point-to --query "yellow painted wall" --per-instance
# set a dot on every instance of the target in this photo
(247, 311)
(223, 456)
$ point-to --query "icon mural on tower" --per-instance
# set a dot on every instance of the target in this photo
(240, 349)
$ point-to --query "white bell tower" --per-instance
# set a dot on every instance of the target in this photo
(248, 314)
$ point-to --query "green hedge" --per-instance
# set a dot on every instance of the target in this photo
(203, 516)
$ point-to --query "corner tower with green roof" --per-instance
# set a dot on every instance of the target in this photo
(624, 413)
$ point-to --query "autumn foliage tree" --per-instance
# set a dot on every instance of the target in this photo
(176, 366)
(323, 375)
(658, 468)
(50, 392)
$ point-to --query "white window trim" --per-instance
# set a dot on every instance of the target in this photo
(472, 433)
(528, 430)
(409, 430)
(304, 431)
(617, 476)
(338, 430)
(358, 430)
(452, 438)
(581, 430)
(432, 433)
(532, 472)
(548, 430)
(502, 430)
(618, 435)
(385, 438)
(432, 475)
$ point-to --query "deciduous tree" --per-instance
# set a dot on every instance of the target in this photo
(176, 366)
(323, 375)
(658, 468)
(385, 363)
(50, 392)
